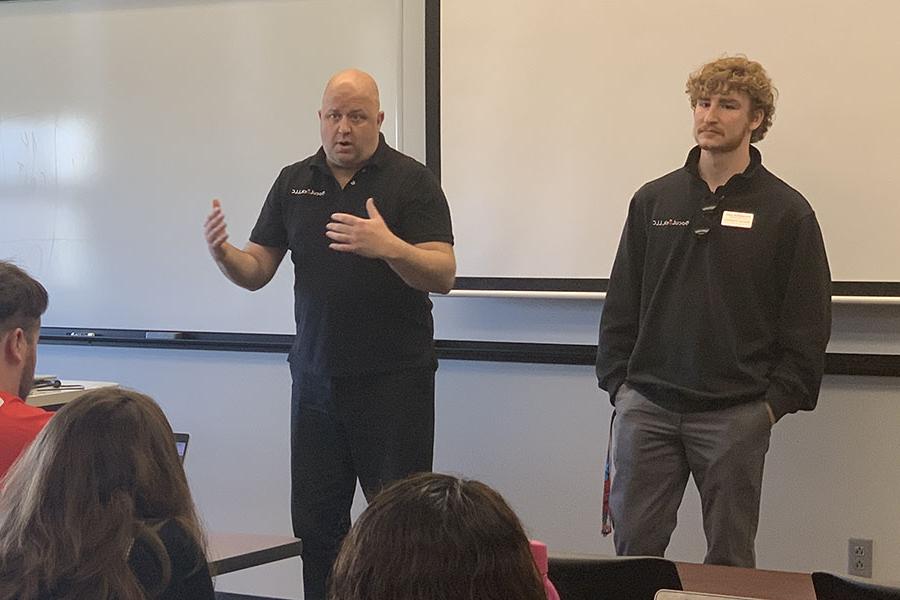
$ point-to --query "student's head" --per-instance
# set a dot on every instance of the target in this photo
(436, 537)
(350, 119)
(22, 302)
(73, 503)
(739, 77)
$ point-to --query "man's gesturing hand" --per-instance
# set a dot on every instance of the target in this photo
(216, 233)
(367, 237)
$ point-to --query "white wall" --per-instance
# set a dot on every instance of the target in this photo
(538, 433)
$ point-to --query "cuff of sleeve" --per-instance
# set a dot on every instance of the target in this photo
(613, 388)
(780, 404)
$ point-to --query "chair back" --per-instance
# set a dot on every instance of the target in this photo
(834, 587)
(589, 577)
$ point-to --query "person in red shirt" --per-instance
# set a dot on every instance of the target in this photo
(22, 302)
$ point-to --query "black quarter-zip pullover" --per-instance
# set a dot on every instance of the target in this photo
(704, 321)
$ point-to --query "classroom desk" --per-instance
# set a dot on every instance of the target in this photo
(752, 583)
(53, 398)
(228, 552)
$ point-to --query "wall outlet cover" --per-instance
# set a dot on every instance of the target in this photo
(859, 557)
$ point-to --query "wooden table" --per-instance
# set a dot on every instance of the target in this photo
(729, 581)
(752, 583)
(228, 552)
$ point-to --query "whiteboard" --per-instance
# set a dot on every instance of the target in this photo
(554, 113)
(120, 120)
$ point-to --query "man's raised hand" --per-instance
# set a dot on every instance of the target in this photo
(367, 237)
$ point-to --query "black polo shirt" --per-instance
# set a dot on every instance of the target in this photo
(355, 315)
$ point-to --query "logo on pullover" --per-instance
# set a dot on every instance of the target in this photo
(307, 192)
(670, 223)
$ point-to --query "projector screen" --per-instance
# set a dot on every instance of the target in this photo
(120, 120)
(554, 114)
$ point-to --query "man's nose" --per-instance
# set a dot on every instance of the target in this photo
(344, 125)
(711, 114)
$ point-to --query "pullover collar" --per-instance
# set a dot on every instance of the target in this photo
(691, 165)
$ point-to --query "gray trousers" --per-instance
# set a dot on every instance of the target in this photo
(653, 452)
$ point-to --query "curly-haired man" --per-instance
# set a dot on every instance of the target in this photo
(714, 326)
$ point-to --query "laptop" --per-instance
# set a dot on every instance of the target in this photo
(181, 443)
(678, 595)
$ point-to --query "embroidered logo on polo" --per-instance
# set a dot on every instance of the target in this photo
(307, 192)
(669, 223)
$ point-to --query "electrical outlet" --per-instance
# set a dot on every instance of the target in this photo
(859, 557)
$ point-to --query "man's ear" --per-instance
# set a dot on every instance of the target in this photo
(15, 345)
(758, 116)
(8, 346)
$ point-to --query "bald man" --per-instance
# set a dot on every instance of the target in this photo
(370, 236)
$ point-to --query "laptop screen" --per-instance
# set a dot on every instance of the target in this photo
(181, 443)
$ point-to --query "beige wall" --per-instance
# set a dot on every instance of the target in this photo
(536, 432)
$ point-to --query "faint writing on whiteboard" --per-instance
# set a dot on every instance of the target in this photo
(40, 152)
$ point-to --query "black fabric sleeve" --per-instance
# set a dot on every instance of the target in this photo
(190, 571)
(270, 229)
(620, 318)
(426, 214)
(804, 324)
(190, 576)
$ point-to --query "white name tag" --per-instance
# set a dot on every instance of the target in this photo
(731, 218)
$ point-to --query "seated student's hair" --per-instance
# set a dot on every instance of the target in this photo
(436, 537)
(91, 491)
(22, 299)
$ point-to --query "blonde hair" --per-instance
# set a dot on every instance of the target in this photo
(102, 474)
(736, 74)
